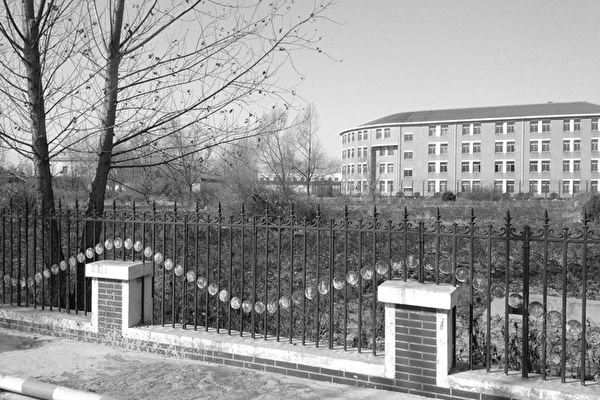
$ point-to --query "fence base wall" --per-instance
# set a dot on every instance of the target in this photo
(417, 331)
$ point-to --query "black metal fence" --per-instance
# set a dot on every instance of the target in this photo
(532, 293)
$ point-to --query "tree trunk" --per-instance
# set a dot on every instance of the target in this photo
(37, 116)
(97, 195)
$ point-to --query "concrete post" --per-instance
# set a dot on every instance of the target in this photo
(419, 332)
(121, 295)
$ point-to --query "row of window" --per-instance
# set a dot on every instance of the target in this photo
(362, 152)
(536, 186)
(506, 146)
(535, 126)
(385, 187)
(364, 135)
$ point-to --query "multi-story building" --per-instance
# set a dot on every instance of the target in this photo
(536, 148)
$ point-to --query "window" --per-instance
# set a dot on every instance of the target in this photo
(443, 186)
(510, 166)
(408, 155)
(353, 135)
(466, 148)
(499, 127)
(365, 187)
(476, 147)
(408, 173)
(408, 137)
(510, 127)
(432, 130)
(431, 148)
(465, 186)
(382, 168)
(378, 134)
(382, 151)
(466, 129)
(576, 165)
(381, 186)
(577, 145)
(577, 125)
(533, 187)
(352, 168)
(431, 186)
(533, 146)
(566, 166)
(575, 187)
(444, 148)
(431, 167)
(595, 124)
(390, 168)
(359, 135)
(510, 186)
(390, 151)
(498, 185)
(546, 125)
(476, 166)
(443, 167)
(534, 126)
(365, 135)
(343, 170)
(545, 186)
(594, 186)
(594, 144)
(444, 130)
(594, 166)
(510, 147)
(566, 186)
(498, 166)
(476, 129)
(566, 125)
(545, 145)
(343, 138)
(359, 152)
(386, 133)
(464, 167)
(475, 185)
(499, 148)
(359, 168)
(545, 165)
(533, 166)
(343, 154)
(390, 187)
(566, 145)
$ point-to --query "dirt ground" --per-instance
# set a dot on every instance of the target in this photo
(133, 375)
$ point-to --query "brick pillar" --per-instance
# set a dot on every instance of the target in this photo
(419, 335)
(121, 295)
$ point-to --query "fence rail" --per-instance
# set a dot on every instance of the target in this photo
(315, 282)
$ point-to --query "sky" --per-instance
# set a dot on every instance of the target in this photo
(389, 56)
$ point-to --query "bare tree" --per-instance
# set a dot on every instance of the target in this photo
(39, 81)
(310, 160)
(276, 152)
(187, 169)
(94, 76)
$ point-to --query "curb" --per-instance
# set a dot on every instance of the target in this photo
(46, 391)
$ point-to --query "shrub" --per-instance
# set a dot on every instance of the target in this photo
(416, 195)
(554, 195)
(448, 196)
(591, 208)
(484, 194)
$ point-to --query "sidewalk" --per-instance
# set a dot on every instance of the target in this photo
(133, 375)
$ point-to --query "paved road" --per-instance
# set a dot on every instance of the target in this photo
(134, 375)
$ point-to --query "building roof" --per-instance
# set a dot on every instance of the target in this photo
(496, 112)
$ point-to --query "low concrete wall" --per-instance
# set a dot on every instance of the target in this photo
(418, 326)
